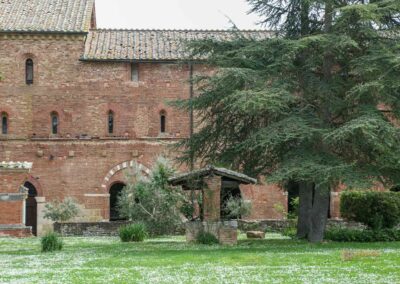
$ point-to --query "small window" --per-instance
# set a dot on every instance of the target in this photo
(54, 123)
(163, 121)
(134, 72)
(4, 123)
(29, 71)
(110, 122)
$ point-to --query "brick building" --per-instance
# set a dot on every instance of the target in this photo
(82, 104)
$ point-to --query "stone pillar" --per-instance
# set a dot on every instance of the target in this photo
(212, 198)
(43, 225)
(335, 205)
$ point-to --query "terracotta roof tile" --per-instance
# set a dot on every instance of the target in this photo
(152, 45)
(45, 15)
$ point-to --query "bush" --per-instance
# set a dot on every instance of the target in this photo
(375, 209)
(61, 211)
(133, 233)
(51, 242)
(206, 238)
(151, 200)
(236, 208)
(363, 236)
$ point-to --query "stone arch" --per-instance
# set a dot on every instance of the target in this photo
(121, 167)
(35, 182)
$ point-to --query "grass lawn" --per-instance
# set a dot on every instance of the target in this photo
(171, 260)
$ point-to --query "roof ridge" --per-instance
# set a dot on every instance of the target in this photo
(179, 30)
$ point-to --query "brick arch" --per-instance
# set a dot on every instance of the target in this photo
(36, 184)
(116, 169)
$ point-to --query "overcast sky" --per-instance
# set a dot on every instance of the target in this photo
(174, 14)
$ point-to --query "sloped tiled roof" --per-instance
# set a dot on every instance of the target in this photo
(183, 179)
(152, 45)
(63, 16)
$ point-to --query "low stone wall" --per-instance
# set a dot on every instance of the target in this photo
(226, 232)
(280, 225)
(18, 231)
(97, 229)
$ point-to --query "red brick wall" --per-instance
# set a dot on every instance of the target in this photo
(82, 93)
(11, 212)
(266, 201)
(212, 198)
(11, 180)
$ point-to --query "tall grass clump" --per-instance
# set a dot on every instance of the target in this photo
(51, 242)
(133, 233)
(206, 238)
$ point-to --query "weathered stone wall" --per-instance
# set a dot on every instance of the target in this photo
(280, 225)
(89, 229)
(18, 231)
(99, 229)
(224, 231)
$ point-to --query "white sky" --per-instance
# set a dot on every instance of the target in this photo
(174, 14)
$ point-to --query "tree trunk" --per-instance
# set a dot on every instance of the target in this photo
(319, 213)
(305, 207)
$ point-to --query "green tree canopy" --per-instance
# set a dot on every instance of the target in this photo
(315, 103)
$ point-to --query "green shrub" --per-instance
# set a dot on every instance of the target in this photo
(206, 238)
(57, 211)
(363, 236)
(375, 209)
(51, 242)
(133, 233)
(151, 199)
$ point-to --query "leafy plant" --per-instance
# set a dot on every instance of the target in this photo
(133, 233)
(206, 238)
(51, 242)
(375, 209)
(236, 208)
(151, 200)
(61, 211)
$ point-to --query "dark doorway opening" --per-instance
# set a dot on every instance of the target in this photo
(31, 208)
(115, 192)
(229, 189)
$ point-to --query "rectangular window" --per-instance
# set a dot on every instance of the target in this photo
(134, 72)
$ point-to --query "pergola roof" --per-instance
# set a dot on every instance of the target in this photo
(183, 179)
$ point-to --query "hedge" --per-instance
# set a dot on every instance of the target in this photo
(362, 236)
(377, 210)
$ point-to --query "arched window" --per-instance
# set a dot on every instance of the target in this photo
(110, 122)
(4, 123)
(54, 123)
(29, 71)
(163, 121)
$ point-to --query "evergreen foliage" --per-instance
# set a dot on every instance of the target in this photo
(315, 104)
(362, 236)
(377, 210)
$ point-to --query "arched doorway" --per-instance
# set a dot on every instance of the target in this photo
(31, 208)
(115, 191)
